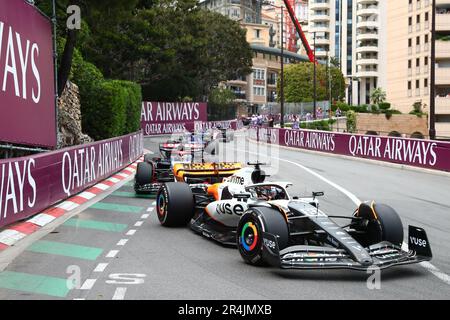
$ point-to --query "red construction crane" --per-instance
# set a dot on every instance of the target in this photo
(299, 29)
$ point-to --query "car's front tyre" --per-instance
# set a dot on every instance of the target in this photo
(250, 229)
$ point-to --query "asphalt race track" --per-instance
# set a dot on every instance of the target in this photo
(116, 248)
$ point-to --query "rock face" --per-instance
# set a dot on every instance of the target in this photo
(70, 132)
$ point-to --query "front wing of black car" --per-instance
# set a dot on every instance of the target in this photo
(383, 255)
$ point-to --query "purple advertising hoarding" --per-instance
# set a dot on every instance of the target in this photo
(31, 184)
(27, 92)
(412, 152)
(161, 118)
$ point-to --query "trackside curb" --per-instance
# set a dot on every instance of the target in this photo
(11, 234)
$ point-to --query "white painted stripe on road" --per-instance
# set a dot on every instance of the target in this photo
(123, 175)
(42, 219)
(150, 209)
(145, 216)
(88, 284)
(119, 294)
(10, 237)
(102, 186)
(122, 242)
(68, 205)
(114, 180)
(87, 195)
(79, 299)
(438, 273)
(100, 267)
(112, 253)
(131, 232)
(139, 223)
(154, 203)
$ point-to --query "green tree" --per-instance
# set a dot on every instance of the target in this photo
(378, 96)
(299, 83)
(172, 49)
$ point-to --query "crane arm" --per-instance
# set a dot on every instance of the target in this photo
(298, 27)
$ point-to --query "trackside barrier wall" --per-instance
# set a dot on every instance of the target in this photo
(29, 185)
(165, 118)
(412, 152)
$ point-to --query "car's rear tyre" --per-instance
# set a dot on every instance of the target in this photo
(175, 204)
(148, 158)
(381, 223)
(249, 233)
(144, 176)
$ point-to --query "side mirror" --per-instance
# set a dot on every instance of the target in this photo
(318, 194)
(242, 196)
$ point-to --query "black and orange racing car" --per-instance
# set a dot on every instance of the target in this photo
(182, 163)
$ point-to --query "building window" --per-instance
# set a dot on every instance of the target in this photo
(259, 91)
(259, 74)
(257, 33)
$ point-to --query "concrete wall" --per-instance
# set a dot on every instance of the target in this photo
(405, 124)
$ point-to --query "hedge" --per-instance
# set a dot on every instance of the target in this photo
(109, 108)
(132, 106)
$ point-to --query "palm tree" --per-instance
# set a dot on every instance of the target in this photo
(378, 96)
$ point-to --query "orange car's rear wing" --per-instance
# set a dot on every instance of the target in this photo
(205, 171)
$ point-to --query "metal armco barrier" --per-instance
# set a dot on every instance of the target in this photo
(412, 152)
(29, 185)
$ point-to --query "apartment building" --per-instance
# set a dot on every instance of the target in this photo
(259, 87)
(248, 11)
(263, 34)
(409, 58)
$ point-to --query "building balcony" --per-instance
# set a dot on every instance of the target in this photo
(443, 21)
(366, 62)
(367, 36)
(367, 24)
(367, 49)
(321, 53)
(322, 41)
(319, 17)
(367, 74)
(318, 29)
(443, 105)
(368, 11)
(367, 2)
(442, 76)
(319, 5)
(442, 49)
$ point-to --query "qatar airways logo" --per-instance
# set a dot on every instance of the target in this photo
(310, 140)
(166, 111)
(19, 73)
(409, 151)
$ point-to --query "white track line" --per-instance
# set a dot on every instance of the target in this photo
(145, 216)
(139, 223)
(427, 265)
(122, 242)
(119, 294)
(150, 209)
(88, 284)
(131, 232)
(112, 253)
(101, 267)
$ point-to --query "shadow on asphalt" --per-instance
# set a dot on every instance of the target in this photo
(399, 273)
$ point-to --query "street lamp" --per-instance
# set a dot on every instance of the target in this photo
(433, 72)
(315, 80)
(282, 61)
(282, 72)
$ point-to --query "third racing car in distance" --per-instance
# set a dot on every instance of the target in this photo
(269, 226)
